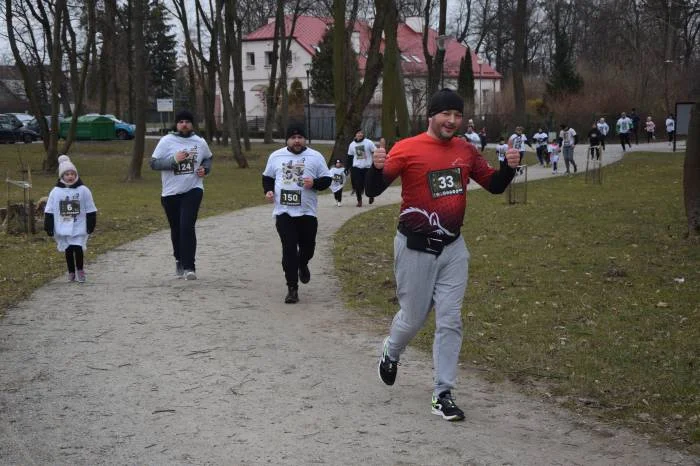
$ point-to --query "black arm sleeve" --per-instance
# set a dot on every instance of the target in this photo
(91, 222)
(501, 179)
(374, 182)
(206, 163)
(322, 183)
(48, 224)
(268, 184)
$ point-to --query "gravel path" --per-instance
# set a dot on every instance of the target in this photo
(138, 367)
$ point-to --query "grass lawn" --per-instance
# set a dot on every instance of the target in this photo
(126, 211)
(587, 295)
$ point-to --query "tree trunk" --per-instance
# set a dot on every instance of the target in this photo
(271, 94)
(140, 83)
(227, 38)
(238, 92)
(691, 174)
(390, 85)
(518, 61)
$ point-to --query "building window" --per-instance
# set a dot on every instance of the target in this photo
(250, 59)
(268, 59)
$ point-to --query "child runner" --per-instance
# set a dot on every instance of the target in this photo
(501, 149)
(650, 128)
(70, 216)
(338, 175)
(553, 150)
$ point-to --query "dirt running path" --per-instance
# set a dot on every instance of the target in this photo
(137, 367)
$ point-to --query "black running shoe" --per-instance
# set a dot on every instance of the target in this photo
(304, 273)
(444, 405)
(292, 295)
(387, 367)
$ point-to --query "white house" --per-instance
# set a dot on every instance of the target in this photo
(308, 34)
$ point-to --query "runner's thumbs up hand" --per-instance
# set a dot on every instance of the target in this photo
(379, 156)
(512, 157)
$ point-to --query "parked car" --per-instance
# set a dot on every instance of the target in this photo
(26, 135)
(10, 119)
(7, 133)
(23, 117)
(122, 130)
(33, 124)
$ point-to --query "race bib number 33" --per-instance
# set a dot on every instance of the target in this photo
(446, 182)
(290, 197)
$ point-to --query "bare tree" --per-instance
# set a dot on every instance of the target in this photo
(434, 64)
(395, 123)
(271, 92)
(78, 69)
(229, 37)
(349, 108)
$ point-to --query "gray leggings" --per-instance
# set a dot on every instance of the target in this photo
(424, 281)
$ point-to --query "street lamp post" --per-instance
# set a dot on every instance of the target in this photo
(307, 67)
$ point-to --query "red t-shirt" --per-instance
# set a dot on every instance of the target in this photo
(434, 177)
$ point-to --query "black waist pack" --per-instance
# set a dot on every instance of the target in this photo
(425, 243)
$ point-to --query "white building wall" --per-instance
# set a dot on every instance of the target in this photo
(256, 77)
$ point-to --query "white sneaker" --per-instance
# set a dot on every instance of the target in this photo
(190, 275)
(339, 204)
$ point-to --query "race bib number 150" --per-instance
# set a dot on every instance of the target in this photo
(290, 197)
(446, 182)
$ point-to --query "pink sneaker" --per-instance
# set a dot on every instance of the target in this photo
(81, 276)
(71, 276)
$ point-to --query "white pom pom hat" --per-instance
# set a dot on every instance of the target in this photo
(64, 164)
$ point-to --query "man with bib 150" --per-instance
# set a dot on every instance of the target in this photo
(292, 177)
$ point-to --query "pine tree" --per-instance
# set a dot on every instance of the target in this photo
(564, 78)
(465, 83)
(322, 88)
(161, 50)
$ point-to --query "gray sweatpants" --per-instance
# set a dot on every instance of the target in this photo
(424, 281)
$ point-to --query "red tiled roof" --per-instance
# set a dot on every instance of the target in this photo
(309, 32)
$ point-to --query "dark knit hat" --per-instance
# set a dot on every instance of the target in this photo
(445, 99)
(295, 129)
(184, 115)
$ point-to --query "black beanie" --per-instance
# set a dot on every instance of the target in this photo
(184, 115)
(445, 99)
(296, 129)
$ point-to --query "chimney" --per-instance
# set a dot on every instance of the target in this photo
(355, 41)
(415, 23)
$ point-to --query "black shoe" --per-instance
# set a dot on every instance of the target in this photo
(292, 295)
(371, 200)
(304, 273)
(387, 367)
(444, 405)
(575, 168)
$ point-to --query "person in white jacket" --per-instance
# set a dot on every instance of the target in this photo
(70, 217)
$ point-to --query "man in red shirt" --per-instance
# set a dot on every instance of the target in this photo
(431, 258)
